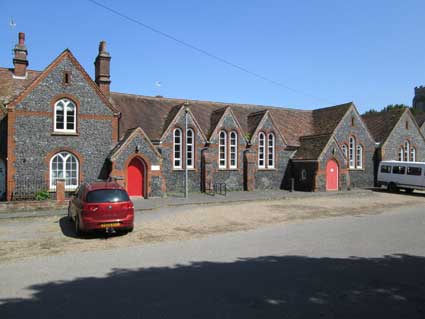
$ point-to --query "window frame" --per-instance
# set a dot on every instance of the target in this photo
(222, 150)
(192, 146)
(352, 152)
(233, 149)
(65, 102)
(359, 156)
(179, 144)
(406, 151)
(413, 154)
(64, 159)
(261, 150)
(401, 154)
(272, 148)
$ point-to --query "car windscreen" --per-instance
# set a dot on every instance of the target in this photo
(107, 196)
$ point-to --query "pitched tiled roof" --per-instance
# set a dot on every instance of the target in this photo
(325, 120)
(154, 114)
(151, 114)
(381, 124)
(214, 119)
(311, 147)
(11, 87)
(253, 120)
(420, 119)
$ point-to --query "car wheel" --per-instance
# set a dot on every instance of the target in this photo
(392, 188)
(77, 226)
(69, 213)
(129, 230)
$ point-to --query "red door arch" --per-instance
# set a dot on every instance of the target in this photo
(332, 175)
(136, 177)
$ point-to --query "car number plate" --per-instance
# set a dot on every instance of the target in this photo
(106, 225)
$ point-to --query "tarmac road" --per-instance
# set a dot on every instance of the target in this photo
(341, 267)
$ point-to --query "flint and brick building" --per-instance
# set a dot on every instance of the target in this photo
(59, 123)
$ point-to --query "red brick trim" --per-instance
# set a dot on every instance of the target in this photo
(52, 153)
(54, 100)
(32, 113)
(97, 117)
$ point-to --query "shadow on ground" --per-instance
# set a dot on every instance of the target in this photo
(267, 287)
(416, 193)
(68, 229)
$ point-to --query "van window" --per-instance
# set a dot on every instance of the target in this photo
(399, 169)
(417, 171)
(385, 169)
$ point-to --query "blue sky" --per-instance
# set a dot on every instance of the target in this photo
(370, 52)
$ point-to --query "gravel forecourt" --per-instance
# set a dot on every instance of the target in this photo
(30, 237)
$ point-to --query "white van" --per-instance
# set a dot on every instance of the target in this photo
(406, 175)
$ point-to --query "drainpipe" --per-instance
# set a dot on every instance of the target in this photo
(186, 110)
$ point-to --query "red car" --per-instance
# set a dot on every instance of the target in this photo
(101, 206)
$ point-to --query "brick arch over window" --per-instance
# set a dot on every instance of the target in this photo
(55, 151)
(76, 102)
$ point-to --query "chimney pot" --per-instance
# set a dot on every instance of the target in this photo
(102, 46)
(20, 60)
(21, 38)
(102, 69)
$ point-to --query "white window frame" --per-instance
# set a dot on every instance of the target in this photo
(66, 103)
(177, 159)
(222, 149)
(190, 148)
(64, 156)
(413, 154)
(271, 150)
(233, 152)
(261, 150)
(406, 151)
(401, 154)
(351, 152)
(359, 156)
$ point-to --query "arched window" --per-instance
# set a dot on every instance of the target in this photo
(65, 116)
(261, 150)
(189, 148)
(413, 154)
(64, 165)
(406, 150)
(359, 156)
(222, 149)
(352, 147)
(400, 154)
(233, 149)
(177, 150)
(345, 150)
(270, 150)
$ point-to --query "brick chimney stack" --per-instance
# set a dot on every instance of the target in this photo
(102, 69)
(20, 61)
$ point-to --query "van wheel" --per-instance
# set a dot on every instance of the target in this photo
(409, 190)
(392, 188)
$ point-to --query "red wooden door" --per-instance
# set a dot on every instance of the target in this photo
(332, 176)
(135, 177)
